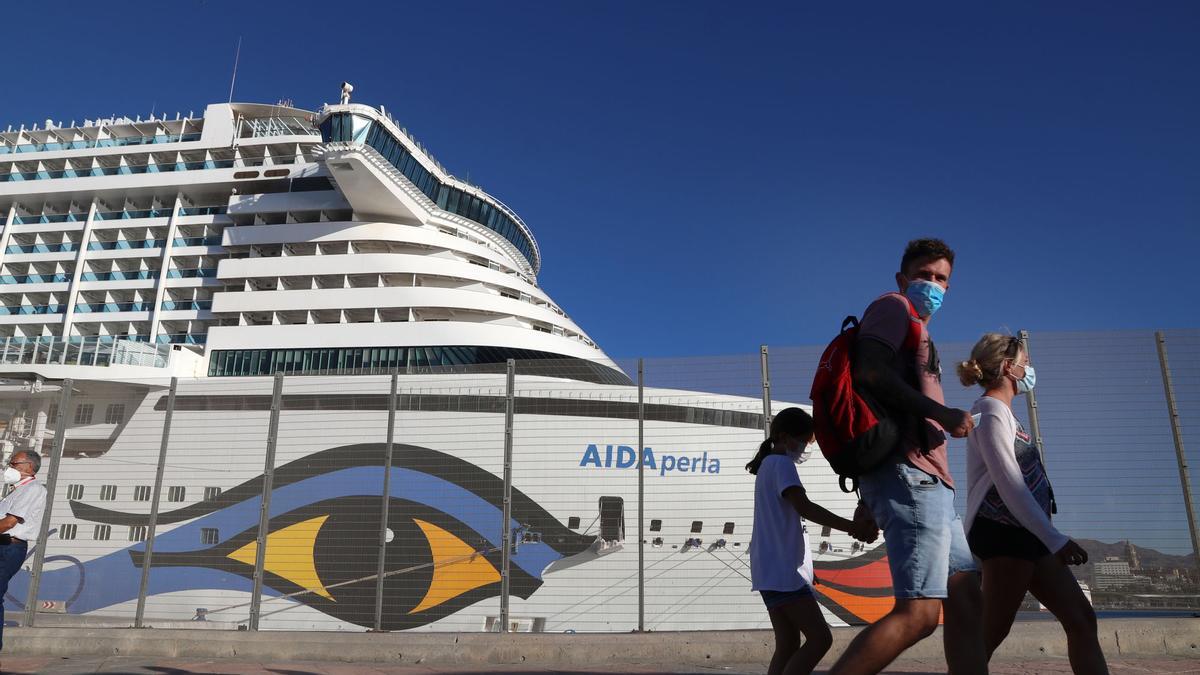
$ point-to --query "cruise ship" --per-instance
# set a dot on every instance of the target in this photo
(165, 271)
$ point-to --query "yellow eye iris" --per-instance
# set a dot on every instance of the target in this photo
(290, 555)
(457, 569)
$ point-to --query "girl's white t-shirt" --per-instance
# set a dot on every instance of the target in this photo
(780, 558)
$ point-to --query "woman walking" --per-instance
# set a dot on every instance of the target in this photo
(780, 558)
(1009, 504)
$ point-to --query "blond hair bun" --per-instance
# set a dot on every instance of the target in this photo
(969, 372)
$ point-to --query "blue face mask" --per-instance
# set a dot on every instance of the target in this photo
(926, 296)
(1025, 384)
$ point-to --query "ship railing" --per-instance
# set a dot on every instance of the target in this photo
(100, 351)
(402, 181)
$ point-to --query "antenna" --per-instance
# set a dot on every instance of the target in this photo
(233, 80)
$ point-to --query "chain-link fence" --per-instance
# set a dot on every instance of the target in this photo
(466, 500)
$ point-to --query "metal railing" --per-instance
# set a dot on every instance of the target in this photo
(1114, 448)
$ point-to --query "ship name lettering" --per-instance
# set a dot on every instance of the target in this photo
(625, 457)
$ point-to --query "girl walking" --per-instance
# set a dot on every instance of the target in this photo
(780, 558)
(1009, 504)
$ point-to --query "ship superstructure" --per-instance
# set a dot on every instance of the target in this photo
(243, 243)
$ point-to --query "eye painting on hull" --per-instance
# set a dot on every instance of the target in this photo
(445, 515)
(322, 542)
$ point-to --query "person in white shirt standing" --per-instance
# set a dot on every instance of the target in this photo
(20, 516)
(780, 557)
(1009, 504)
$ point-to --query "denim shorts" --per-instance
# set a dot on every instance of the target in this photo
(924, 536)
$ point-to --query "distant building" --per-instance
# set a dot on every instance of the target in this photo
(1113, 573)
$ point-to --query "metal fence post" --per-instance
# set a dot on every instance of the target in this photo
(264, 514)
(766, 392)
(641, 467)
(387, 496)
(1031, 401)
(148, 558)
(506, 537)
(39, 557)
(1185, 480)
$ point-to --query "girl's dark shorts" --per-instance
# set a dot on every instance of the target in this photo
(777, 599)
(991, 539)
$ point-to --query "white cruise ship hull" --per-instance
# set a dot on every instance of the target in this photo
(574, 569)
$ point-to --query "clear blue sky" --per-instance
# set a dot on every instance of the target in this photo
(703, 177)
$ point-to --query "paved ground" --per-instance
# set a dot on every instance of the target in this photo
(142, 666)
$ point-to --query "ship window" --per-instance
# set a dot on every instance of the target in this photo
(209, 536)
(53, 416)
(141, 493)
(697, 526)
(211, 493)
(573, 522)
(826, 531)
(137, 533)
(108, 493)
(176, 493)
(656, 525)
(115, 413)
(102, 532)
(728, 528)
(74, 492)
(83, 413)
(67, 531)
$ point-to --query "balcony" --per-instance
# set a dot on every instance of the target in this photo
(34, 278)
(192, 273)
(64, 247)
(197, 241)
(203, 210)
(126, 244)
(89, 307)
(50, 218)
(116, 276)
(32, 310)
(176, 305)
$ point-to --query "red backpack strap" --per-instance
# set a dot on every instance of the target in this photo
(915, 327)
(912, 340)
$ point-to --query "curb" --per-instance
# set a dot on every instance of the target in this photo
(1028, 640)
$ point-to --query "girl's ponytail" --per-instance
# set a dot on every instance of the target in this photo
(763, 450)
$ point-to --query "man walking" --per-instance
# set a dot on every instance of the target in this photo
(20, 516)
(911, 496)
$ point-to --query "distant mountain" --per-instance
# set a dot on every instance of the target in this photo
(1147, 557)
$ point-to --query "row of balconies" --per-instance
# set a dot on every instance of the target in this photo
(144, 274)
(94, 307)
(77, 138)
(149, 163)
(126, 214)
(114, 245)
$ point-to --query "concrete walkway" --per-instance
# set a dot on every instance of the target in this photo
(142, 666)
(1132, 646)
